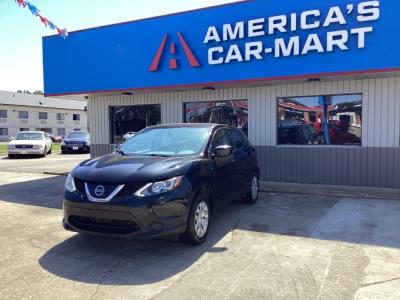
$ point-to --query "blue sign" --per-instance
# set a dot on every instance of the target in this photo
(248, 41)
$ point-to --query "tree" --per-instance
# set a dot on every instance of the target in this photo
(38, 92)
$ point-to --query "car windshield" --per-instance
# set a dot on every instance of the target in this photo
(34, 136)
(78, 135)
(175, 141)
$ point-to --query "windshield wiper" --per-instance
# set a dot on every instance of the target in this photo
(119, 151)
(159, 155)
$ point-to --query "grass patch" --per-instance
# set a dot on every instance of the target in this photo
(56, 148)
(3, 148)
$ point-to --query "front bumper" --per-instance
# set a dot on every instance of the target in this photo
(25, 151)
(75, 148)
(145, 221)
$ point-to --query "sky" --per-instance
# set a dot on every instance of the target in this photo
(21, 32)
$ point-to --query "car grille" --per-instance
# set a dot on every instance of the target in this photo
(129, 188)
(108, 189)
(108, 226)
(23, 146)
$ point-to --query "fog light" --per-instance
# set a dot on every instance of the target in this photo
(156, 227)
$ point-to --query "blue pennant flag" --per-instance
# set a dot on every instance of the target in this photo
(52, 26)
(33, 9)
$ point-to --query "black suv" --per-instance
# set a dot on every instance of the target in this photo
(166, 180)
(76, 141)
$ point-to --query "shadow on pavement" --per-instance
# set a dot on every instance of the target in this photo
(88, 259)
(24, 157)
(44, 192)
(131, 262)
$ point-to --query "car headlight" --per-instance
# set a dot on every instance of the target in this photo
(11, 146)
(159, 187)
(62, 143)
(38, 146)
(70, 184)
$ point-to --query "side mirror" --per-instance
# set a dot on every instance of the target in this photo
(222, 151)
(117, 149)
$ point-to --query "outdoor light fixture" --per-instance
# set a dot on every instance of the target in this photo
(209, 88)
(126, 94)
(314, 80)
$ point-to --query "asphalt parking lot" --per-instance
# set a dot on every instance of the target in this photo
(286, 247)
(54, 163)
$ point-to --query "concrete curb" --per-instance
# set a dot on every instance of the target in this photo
(38, 173)
(56, 173)
(329, 190)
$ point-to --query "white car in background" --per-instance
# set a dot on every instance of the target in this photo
(128, 136)
(30, 143)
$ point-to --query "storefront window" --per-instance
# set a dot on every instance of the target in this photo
(233, 113)
(127, 120)
(320, 120)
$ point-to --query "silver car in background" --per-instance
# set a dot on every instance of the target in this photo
(30, 143)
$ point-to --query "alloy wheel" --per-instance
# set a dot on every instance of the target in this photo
(254, 187)
(201, 219)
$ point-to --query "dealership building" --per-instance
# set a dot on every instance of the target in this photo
(314, 84)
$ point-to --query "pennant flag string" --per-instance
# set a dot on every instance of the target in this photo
(36, 12)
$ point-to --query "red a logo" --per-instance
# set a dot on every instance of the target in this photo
(173, 62)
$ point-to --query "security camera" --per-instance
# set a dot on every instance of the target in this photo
(86, 97)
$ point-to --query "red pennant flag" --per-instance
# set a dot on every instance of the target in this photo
(43, 20)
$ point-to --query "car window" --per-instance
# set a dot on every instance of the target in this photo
(220, 139)
(78, 135)
(34, 136)
(237, 139)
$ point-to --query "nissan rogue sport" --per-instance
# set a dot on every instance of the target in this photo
(166, 180)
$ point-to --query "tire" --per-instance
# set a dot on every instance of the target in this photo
(11, 156)
(253, 192)
(51, 149)
(45, 152)
(195, 233)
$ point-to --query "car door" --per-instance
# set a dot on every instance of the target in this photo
(242, 161)
(48, 142)
(222, 174)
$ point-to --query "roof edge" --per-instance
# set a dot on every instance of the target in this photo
(154, 17)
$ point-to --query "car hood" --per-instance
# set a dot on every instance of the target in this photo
(26, 142)
(128, 169)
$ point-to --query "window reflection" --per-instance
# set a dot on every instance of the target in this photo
(233, 113)
(128, 120)
(321, 120)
